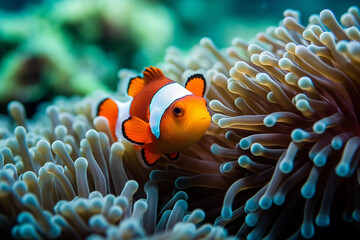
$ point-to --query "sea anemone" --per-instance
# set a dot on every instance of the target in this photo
(64, 179)
(288, 106)
(279, 160)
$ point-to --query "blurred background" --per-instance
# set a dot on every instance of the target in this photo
(73, 47)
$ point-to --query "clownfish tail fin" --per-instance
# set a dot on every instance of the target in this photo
(108, 108)
(152, 73)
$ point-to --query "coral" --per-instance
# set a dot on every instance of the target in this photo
(280, 159)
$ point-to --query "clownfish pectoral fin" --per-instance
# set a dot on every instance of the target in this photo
(196, 84)
(137, 131)
(108, 108)
(152, 73)
(173, 156)
(136, 84)
(150, 157)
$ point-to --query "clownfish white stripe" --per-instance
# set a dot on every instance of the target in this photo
(124, 113)
(161, 100)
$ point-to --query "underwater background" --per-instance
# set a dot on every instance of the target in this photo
(75, 47)
(280, 159)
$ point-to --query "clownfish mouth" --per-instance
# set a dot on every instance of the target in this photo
(205, 117)
(197, 123)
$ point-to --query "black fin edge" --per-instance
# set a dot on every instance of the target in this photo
(144, 158)
(99, 105)
(128, 87)
(126, 136)
(197, 75)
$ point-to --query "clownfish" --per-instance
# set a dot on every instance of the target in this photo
(161, 116)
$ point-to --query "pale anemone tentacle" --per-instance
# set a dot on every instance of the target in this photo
(61, 194)
(298, 93)
(314, 111)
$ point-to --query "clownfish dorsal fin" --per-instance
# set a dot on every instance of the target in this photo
(152, 73)
(196, 84)
(108, 108)
(136, 84)
(137, 131)
(149, 156)
(173, 156)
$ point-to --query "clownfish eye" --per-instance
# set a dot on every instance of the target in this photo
(178, 110)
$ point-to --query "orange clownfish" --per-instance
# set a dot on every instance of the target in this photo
(161, 117)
